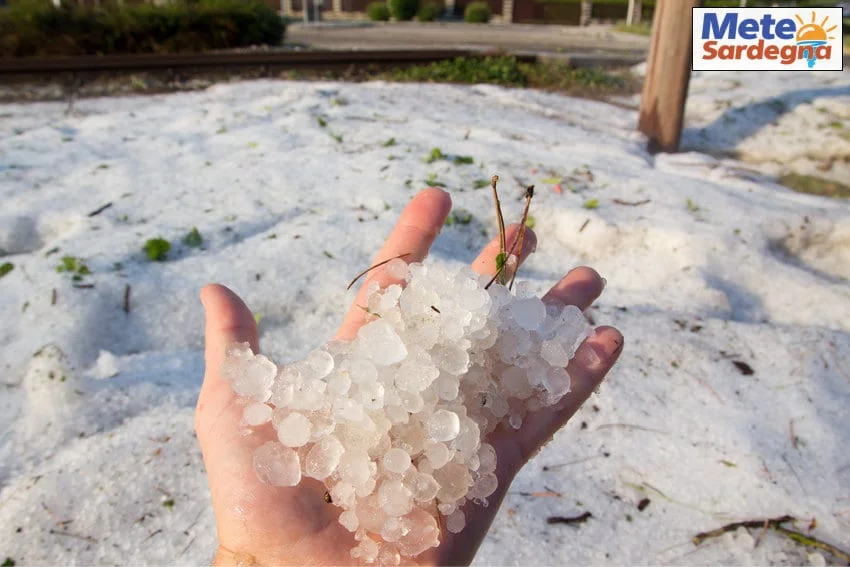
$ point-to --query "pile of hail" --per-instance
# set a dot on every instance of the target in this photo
(395, 422)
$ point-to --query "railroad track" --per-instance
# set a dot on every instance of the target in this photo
(27, 66)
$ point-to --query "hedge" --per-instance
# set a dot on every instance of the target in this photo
(404, 10)
(477, 13)
(38, 28)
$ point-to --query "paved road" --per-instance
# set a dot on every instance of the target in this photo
(592, 40)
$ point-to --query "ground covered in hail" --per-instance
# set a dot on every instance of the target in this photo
(727, 404)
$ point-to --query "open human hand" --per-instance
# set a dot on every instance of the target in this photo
(260, 524)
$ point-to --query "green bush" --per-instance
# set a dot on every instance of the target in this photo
(429, 12)
(38, 28)
(403, 10)
(378, 11)
(477, 13)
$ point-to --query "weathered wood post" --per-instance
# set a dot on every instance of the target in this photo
(633, 16)
(668, 70)
(586, 11)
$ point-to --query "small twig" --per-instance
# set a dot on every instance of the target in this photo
(54, 517)
(540, 494)
(813, 542)
(500, 267)
(631, 203)
(188, 545)
(794, 472)
(630, 426)
(769, 522)
(584, 224)
(127, 298)
(368, 312)
(776, 525)
(53, 296)
(370, 268)
(575, 462)
(501, 222)
(569, 520)
(99, 210)
(529, 193)
(83, 285)
(155, 532)
(77, 536)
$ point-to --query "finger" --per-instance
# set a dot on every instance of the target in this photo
(580, 287)
(485, 263)
(594, 358)
(414, 233)
(228, 320)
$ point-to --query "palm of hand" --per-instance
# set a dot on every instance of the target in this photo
(270, 525)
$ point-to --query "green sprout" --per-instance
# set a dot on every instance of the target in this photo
(6, 268)
(389, 143)
(322, 122)
(193, 238)
(432, 181)
(460, 216)
(74, 266)
(435, 155)
(463, 160)
(480, 183)
(156, 249)
(591, 204)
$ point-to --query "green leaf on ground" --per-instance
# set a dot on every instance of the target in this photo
(193, 238)
(156, 249)
(435, 155)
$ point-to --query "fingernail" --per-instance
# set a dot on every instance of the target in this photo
(614, 347)
(604, 283)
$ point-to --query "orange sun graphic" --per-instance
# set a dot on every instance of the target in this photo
(813, 31)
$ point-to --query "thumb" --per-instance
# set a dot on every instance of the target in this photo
(228, 320)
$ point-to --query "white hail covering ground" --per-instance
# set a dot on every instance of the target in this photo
(98, 462)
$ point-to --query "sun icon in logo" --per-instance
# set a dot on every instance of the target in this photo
(813, 35)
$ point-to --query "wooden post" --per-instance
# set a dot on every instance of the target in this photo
(586, 12)
(668, 70)
(633, 16)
